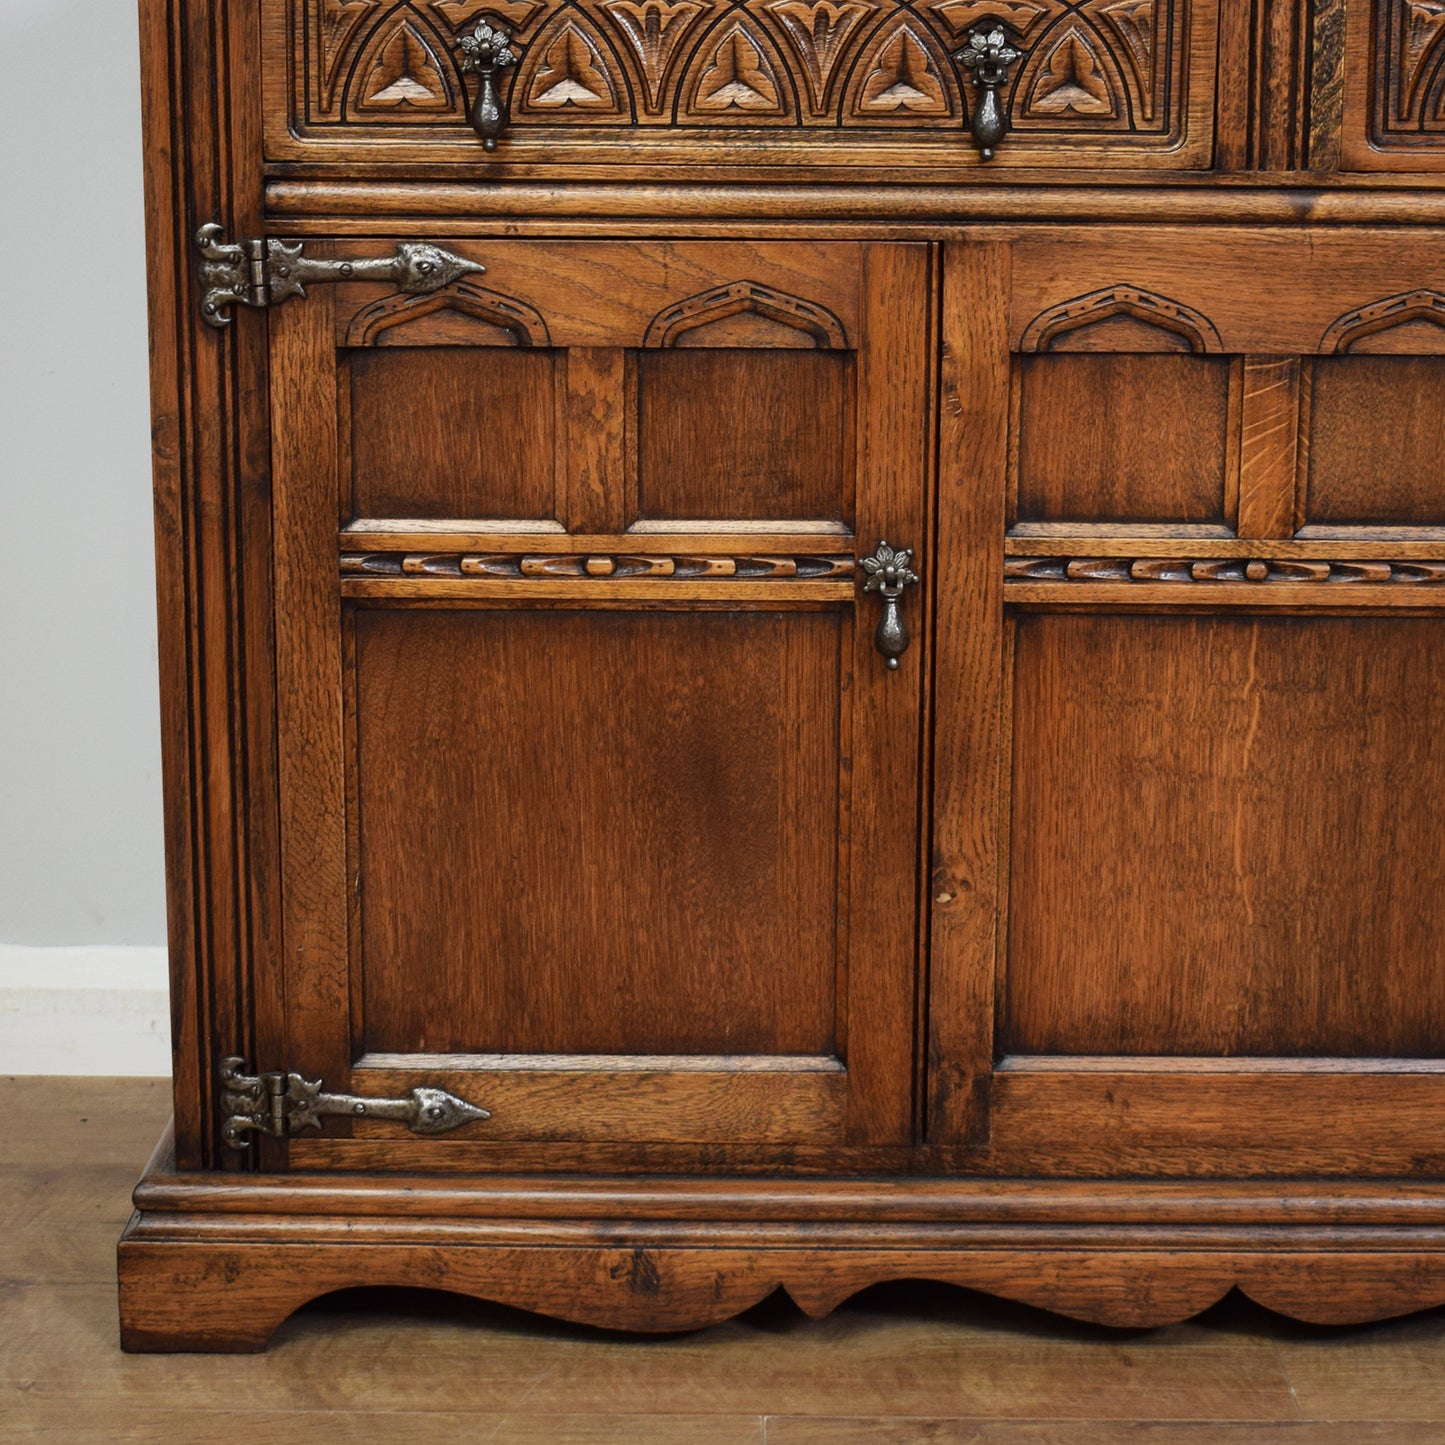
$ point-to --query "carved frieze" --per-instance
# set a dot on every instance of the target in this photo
(1094, 67)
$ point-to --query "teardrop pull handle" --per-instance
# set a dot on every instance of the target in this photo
(487, 49)
(889, 572)
(989, 55)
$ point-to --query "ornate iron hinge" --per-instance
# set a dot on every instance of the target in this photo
(282, 1104)
(260, 272)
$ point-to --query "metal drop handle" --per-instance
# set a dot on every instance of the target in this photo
(486, 50)
(989, 56)
(889, 572)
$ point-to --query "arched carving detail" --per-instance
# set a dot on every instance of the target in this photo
(822, 34)
(1409, 307)
(902, 74)
(708, 307)
(404, 71)
(1022, 17)
(736, 73)
(525, 324)
(655, 30)
(1071, 76)
(569, 73)
(337, 23)
(1088, 310)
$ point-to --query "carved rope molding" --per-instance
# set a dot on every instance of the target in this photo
(616, 565)
(1235, 569)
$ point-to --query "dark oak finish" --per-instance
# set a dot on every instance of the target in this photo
(670, 889)
(1157, 906)
(526, 731)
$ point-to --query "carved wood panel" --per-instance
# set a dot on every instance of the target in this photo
(1100, 70)
(1410, 75)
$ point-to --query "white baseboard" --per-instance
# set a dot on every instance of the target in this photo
(102, 1011)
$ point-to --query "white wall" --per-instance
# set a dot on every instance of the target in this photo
(80, 815)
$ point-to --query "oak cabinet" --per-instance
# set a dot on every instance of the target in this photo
(753, 699)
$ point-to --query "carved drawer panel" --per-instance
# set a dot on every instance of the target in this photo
(716, 83)
(1395, 86)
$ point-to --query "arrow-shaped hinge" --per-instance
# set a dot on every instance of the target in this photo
(261, 272)
(282, 1104)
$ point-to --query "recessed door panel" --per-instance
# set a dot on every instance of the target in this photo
(574, 841)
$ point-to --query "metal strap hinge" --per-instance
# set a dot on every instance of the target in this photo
(261, 272)
(282, 1104)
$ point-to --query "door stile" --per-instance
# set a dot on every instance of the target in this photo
(309, 704)
(893, 464)
(969, 643)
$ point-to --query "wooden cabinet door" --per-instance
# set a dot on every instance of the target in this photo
(1188, 899)
(599, 807)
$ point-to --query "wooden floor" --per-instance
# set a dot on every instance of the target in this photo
(899, 1363)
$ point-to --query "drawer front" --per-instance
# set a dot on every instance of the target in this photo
(637, 84)
(1395, 86)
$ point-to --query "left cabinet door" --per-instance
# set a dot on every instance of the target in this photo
(599, 805)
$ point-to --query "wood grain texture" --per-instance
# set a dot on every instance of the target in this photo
(745, 433)
(672, 888)
(1093, 443)
(1187, 878)
(457, 431)
(1376, 449)
(598, 450)
(883, 746)
(309, 719)
(967, 879)
(1269, 458)
(212, 530)
(688, 206)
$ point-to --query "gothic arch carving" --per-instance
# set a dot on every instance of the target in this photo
(902, 74)
(821, 33)
(337, 22)
(655, 30)
(524, 323)
(404, 70)
(778, 307)
(1072, 75)
(1179, 320)
(570, 73)
(736, 73)
(1422, 312)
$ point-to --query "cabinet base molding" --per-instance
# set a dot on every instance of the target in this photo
(211, 1263)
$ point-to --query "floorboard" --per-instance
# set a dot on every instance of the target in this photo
(899, 1363)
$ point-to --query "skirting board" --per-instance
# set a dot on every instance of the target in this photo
(84, 1010)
